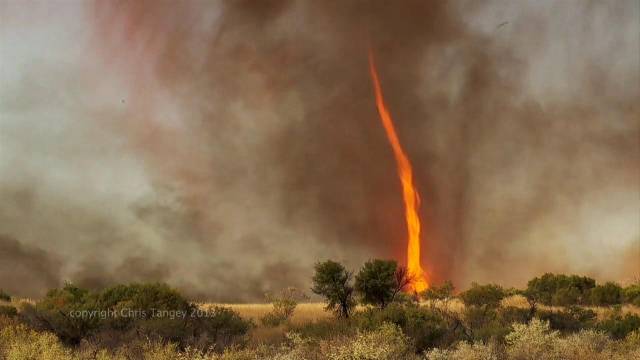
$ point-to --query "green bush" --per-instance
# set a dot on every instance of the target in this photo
(488, 296)
(618, 326)
(510, 314)
(59, 312)
(560, 290)
(607, 294)
(125, 313)
(372, 318)
(145, 297)
(568, 320)
(272, 319)
(632, 294)
(442, 292)
(4, 296)
(424, 326)
(483, 324)
(8, 311)
(492, 331)
(74, 313)
(566, 296)
(219, 327)
(223, 326)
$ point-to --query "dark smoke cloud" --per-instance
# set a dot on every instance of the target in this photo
(247, 146)
(26, 269)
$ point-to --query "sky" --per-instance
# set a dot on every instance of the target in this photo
(224, 147)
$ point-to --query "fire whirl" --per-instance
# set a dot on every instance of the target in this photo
(409, 192)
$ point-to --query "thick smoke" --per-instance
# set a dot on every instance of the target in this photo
(225, 147)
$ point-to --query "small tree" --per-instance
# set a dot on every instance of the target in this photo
(379, 281)
(284, 304)
(333, 281)
(403, 279)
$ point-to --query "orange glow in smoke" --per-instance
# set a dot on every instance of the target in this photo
(409, 193)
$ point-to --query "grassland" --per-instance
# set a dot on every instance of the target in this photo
(306, 312)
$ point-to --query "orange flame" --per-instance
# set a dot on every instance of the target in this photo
(409, 193)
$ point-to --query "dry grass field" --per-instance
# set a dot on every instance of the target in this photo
(306, 312)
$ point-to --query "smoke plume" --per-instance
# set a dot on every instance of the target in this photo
(224, 147)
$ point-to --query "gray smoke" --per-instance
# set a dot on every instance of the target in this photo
(225, 147)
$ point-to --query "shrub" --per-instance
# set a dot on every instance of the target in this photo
(586, 344)
(223, 326)
(371, 318)
(439, 293)
(284, 305)
(618, 326)
(325, 328)
(572, 319)
(144, 299)
(74, 313)
(486, 296)
(4, 296)
(511, 314)
(483, 324)
(425, 327)
(480, 313)
(142, 296)
(607, 294)
(20, 343)
(8, 311)
(386, 343)
(541, 343)
(466, 351)
(219, 327)
(333, 282)
(126, 313)
(56, 313)
(531, 341)
(562, 290)
(272, 319)
(566, 296)
(632, 294)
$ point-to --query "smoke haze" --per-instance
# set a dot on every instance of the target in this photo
(225, 147)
